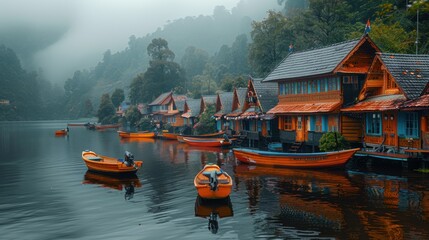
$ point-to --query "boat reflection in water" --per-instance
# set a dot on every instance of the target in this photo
(137, 140)
(128, 183)
(307, 198)
(213, 209)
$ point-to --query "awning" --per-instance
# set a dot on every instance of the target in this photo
(296, 108)
(378, 103)
(419, 103)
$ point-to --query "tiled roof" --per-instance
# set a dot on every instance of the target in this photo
(410, 71)
(194, 108)
(377, 103)
(295, 108)
(241, 93)
(160, 99)
(312, 62)
(418, 103)
(180, 105)
(266, 93)
(226, 100)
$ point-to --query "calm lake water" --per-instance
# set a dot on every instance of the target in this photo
(46, 192)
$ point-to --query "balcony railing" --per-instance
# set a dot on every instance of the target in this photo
(287, 136)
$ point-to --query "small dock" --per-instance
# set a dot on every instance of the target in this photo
(383, 155)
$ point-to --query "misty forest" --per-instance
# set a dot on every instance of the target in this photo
(202, 55)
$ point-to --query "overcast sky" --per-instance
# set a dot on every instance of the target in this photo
(93, 26)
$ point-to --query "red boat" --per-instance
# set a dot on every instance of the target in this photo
(297, 160)
(61, 132)
(207, 142)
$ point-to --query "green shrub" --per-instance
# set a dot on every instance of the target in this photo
(332, 141)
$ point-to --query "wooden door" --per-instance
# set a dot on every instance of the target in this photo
(390, 128)
(300, 128)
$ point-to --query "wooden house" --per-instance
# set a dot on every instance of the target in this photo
(168, 108)
(255, 122)
(393, 101)
(191, 111)
(315, 84)
(223, 107)
(238, 99)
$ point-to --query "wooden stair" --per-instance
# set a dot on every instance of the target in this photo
(295, 147)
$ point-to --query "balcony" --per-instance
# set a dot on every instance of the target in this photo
(287, 136)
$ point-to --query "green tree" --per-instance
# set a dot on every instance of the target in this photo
(118, 96)
(136, 90)
(229, 83)
(332, 141)
(133, 115)
(194, 61)
(88, 110)
(106, 111)
(207, 124)
(271, 40)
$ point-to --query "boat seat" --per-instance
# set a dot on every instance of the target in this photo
(222, 181)
(95, 158)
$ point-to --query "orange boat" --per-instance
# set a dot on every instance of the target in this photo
(99, 127)
(169, 136)
(144, 134)
(213, 183)
(207, 142)
(297, 160)
(100, 163)
(61, 132)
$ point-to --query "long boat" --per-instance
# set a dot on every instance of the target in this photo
(207, 142)
(169, 136)
(297, 160)
(104, 164)
(144, 134)
(212, 182)
(208, 135)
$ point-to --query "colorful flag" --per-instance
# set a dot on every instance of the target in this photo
(367, 27)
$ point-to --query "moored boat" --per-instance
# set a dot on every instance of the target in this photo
(169, 136)
(297, 160)
(144, 134)
(212, 182)
(61, 132)
(100, 163)
(207, 142)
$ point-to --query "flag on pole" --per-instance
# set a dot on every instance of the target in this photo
(367, 27)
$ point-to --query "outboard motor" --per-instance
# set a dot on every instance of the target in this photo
(129, 159)
(213, 181)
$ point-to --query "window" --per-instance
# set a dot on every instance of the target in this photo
(318, 123)
(373, 123)
(411, 125)
(288, 123)
(299, 123)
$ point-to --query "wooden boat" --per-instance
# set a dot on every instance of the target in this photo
(169, 136)
(208, 135)
(100, 127)
(213, 183)
(100, 163)
(207, 142)
(144, 134)
(298, 160)
(61, 132)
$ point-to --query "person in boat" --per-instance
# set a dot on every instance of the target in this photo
(129, 159)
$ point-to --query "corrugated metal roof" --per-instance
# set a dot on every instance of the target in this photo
(180, 105)
(312, 62)
(377, 103)
(241, 93)
(296, 108)
(226, 101)
(194, 108)
(410, 71)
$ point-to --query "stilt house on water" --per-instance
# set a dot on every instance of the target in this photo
(314, 85)
(259, 127)
(393, 103)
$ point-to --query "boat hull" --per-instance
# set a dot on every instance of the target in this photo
(61, 132)
(136, 134)
(202, 184)
(99, 163)
(169, 136)
(207, 142)
(295, 160)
